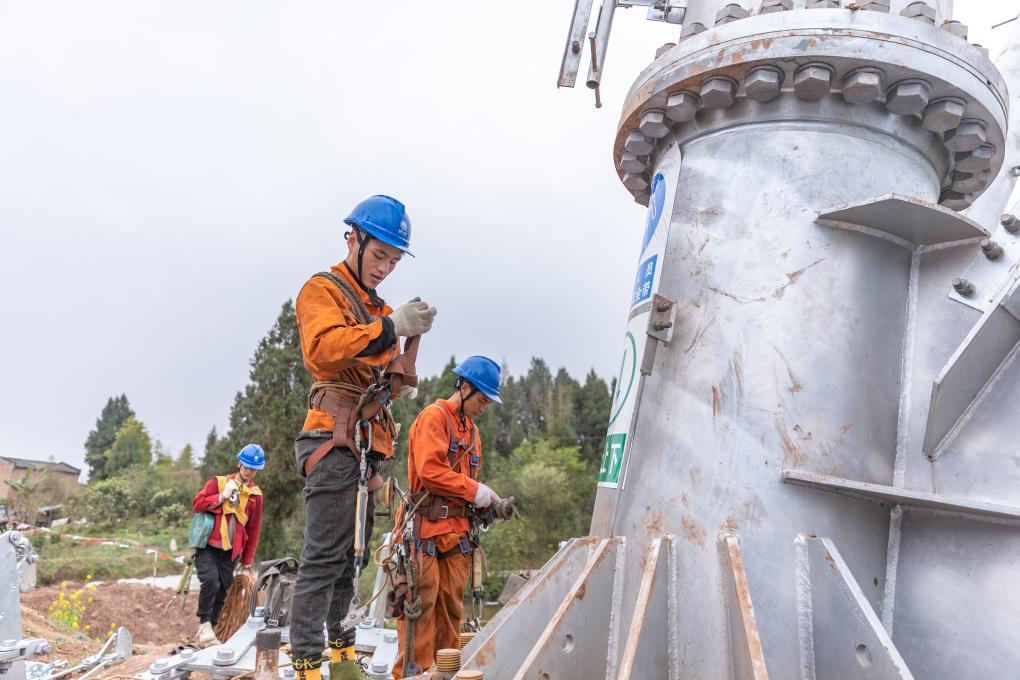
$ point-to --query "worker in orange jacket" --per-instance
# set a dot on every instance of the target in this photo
(444, 458)
(348, 334)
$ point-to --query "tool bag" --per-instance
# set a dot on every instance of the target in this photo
(201, 529)
(275, 587)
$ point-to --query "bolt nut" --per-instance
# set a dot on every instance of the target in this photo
(822, 4)
(730, 12)
(160, 664)
(954, 200)
(637, 181)
(681, 106)
(956, 28)
(654, 124)
(875, 5)
(768, 6)
(717, 93)
(908, 97)
(664, 48)
(968, 135)
(964, 287)
(812, 82)
(692, 28)
(1010, 223)
(187, 653)
(976, 160)
(921, 11)
(969, 182)
(763, 83)
(943, 114)
(638, 143)
(863, 86)
(642, 197)
(991, 249)
(223, 653)
(633, 163)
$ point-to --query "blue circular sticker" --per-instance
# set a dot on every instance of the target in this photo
(655, 206)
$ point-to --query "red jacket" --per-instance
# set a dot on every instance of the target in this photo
(246, 537)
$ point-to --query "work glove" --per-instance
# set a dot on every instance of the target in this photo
(505, 509)
(407, 392)
(245, 570)
(485, 497)
(413, 318)
(229, 489)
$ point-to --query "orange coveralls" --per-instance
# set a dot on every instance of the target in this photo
(441, 581)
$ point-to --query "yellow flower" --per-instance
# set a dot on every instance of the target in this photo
(90, 599)
(88, 627)
(88, 577)
(74, 625)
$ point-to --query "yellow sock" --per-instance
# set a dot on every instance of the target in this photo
(342, 654)
(305, 673)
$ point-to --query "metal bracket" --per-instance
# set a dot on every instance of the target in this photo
(661, 323)
(910, 221)
(899, 495)
(847, 639)
(972, 369)
(575, 43)
(641, 658)
(745, 644)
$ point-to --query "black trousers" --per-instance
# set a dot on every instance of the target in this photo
(325, 581)
(215, 573)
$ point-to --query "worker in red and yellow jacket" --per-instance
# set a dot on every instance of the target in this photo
(235, 503)
(348, 335)
(444, 458)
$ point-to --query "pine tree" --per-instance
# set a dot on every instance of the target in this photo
(593, 404)
(186, 459)
(131, 447)
(100, 440)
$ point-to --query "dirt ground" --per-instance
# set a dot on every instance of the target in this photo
(156, 632)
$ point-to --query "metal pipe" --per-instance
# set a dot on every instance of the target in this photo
(267, 654)
(600, 43)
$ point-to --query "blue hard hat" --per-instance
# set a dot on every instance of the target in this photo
(383, 218)
(483, 373)
(252, 456)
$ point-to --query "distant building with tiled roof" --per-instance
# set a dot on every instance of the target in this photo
(15, 468)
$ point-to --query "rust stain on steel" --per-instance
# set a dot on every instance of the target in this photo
(792, 278)
(832, 562)
(801, 433)
(637, 624)
(846, 428)
(715, 401)
(582, 591)
(793, 457)
(742, 592)
(692, 531)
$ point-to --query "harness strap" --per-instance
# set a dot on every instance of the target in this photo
(428, 547)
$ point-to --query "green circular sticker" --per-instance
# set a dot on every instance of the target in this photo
(619, 403)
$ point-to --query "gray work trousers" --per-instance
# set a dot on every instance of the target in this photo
(325, 580)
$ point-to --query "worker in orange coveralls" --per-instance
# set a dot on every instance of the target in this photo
(348, 335)
(444, 457)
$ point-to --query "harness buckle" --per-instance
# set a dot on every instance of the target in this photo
(465, 546)
(446, 512)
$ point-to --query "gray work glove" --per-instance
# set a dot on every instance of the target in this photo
(485, 497)
(413, 318)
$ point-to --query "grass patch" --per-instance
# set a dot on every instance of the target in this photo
(75, 560)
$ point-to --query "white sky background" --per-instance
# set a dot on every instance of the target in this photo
(171, 173)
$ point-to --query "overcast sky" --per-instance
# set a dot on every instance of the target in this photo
(172, 172)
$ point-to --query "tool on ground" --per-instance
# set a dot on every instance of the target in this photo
(184, 585)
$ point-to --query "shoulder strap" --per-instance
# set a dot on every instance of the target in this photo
(357, 306)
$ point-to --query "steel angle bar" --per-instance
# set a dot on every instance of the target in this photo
(746, 651)
(848, 638)
(575, 44)
(575, 642)
(599, 41)
(912, 220)
(649, 646)
(899, 495)
(972, 367)
(514, 624)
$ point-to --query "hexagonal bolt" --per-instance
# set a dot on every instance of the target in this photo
(681, 106)
(956, 28)
(982, 49)
(921, 11)
(664, 48)
(630, 162)
(822, 4)
(969, 182)
(968, 135)
(636, 181)
(964, 287)
(160, 664)
(943, 114)
(863, 86)
(875, 5)
(763, 83)
(975, 161)
(187, 653)
(224, 654)
(991, 249)
(1010, 223)
(775, 6)
(812, 82)
(638, 143)
(643, 197)
(954, 200)
(730, 12)
(908, 97)
(654, 124)
(717, 93)
(692, 28)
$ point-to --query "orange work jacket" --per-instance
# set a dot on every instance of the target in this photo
(332, 343)
(428, 464)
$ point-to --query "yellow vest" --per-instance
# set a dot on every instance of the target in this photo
(238, 511)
